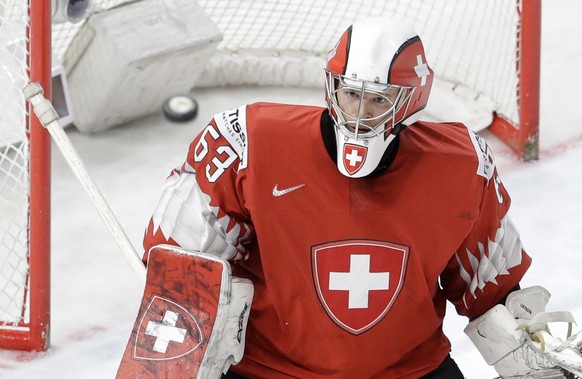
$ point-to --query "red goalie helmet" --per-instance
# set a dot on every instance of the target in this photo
(377, 82)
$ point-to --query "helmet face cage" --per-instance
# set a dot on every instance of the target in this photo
(357, 126)
(377, 82)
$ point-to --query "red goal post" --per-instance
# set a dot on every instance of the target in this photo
(25, 46)
(523, 135)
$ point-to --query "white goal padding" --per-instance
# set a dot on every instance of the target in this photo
(125, 61)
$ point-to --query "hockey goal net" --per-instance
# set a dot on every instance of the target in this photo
(485, 55)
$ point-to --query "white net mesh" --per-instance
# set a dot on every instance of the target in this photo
(471, 44)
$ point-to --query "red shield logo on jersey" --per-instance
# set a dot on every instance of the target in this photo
(358, 281)
(354, 157)
(166, 331)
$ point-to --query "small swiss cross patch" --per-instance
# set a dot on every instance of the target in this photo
(358, 281)
(166, 331)
(354, 157)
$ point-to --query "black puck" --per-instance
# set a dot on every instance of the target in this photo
(180, 108)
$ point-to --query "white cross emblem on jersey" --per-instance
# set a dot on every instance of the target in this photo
(421, 70)
(359, 281)
(165, 332)
(354, 158)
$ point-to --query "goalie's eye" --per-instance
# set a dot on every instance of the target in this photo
(380, 100)
(352, 94)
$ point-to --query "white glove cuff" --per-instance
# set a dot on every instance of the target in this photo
(494, 334)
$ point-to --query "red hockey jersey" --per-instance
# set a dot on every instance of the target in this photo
(351, 276)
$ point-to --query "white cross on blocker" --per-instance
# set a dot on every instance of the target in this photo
(354, 157)
(165, 332)
(359, 281)
(421, 70)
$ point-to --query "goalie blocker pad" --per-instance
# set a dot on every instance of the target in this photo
(192, 319)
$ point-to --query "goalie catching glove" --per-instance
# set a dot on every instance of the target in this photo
(516, 340)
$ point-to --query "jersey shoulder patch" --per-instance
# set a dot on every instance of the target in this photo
(232, 124)
(486, 160)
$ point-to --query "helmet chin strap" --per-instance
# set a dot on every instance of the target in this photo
(398, 128)
(388, 156)
(390, 153)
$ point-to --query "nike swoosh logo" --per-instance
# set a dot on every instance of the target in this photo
(278, 192)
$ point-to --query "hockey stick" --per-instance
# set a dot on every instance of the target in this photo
(48, 117)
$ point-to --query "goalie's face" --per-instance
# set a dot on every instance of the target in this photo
(366, 110)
